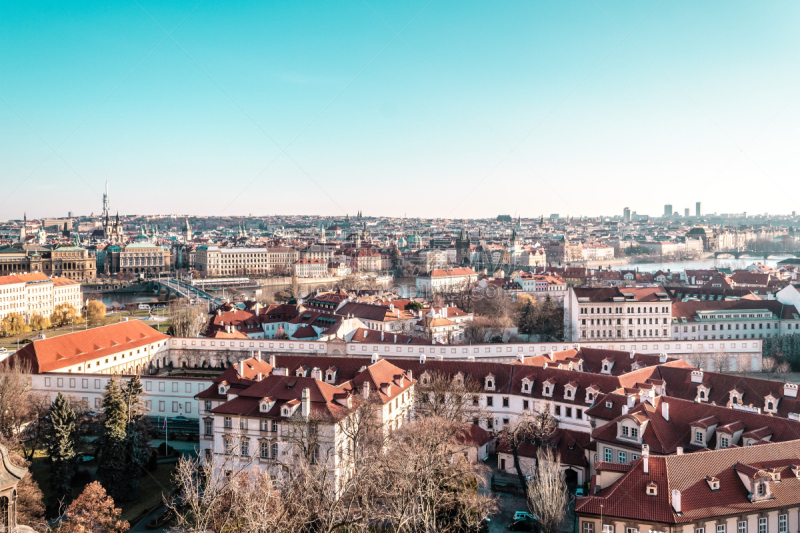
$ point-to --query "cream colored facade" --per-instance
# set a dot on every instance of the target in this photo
(214, 261)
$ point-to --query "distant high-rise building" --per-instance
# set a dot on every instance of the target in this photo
(686, 212)
(698, 209)
(626, 214)
(105, 201)
(668, 210)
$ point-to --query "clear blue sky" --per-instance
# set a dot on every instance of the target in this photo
(475, 109)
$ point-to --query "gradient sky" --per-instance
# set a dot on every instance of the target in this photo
(426, 108)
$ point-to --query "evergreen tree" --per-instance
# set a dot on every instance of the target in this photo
(61, 449)
(136, 450)
(111, 463)
(527, 319)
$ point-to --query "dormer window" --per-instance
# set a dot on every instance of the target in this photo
(652, 489)
(526, 385)
(702, 395)
(285, 411)
(605, 367)
(698, 437)
(713, 483)
(488, 382)
(761, 489)
(609, 405)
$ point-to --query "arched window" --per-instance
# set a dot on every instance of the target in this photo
(4, 522)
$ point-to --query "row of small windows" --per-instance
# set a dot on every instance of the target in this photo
(741, 526)
(604, 310)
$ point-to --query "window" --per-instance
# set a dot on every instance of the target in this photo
(634, 432)
(209, 427)
(245, 448)
(227, 422)
(558, 410)
(525, 405)
(505, 401)
(608, 528)
(242, 423)
(741, 527)
(489, 401)
(274, 426)
(625, 431)
(760, 489)
(208, 405)
(607, 455)
(762, 525)
(588, 527)
(622, 457)
(783, 523)
(274, 450)
(698, 436)
(264, 450)
(699, 530)
(162, 406)
(720, 528)
(723, 442)
(631, 530)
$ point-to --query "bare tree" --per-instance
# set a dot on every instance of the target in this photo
(696, 359)
(783, 369)
(452, 398)
(768, 365)
(22, 412)
(186, 320)
(428, 486)
(547, 492)
(537, 427)
(226, 494)
(720, 361)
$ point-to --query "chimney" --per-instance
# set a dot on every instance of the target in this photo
(625, 409)
(697, 376)
(676, 500)
(662, 358)
(365, 390)
(381, 335)
(305, 402)
(316, 373)
(260, 376)
(679, 450)
(241, 368)
(631, 401)
(790, 390)
(272, 360)
(409, 375)
(422, 358)
(632, 354)
(258, 355)
(374, 358)
(665, 410)
(646, 458)
(280, 371)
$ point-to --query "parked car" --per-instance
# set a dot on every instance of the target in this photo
(144, 307)
(524, 523)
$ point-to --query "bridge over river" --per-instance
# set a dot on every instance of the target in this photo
(750, 253)
(185, 290)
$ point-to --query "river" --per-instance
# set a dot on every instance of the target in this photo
(703, 264)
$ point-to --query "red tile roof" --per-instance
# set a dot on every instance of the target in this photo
(49, 355)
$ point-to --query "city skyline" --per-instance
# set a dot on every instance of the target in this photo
(421, 109)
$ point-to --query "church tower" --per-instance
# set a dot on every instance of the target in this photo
(187, 232)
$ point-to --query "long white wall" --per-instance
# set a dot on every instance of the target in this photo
(208, 348)
(169, 396)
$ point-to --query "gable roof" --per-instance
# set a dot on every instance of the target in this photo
(49, 355)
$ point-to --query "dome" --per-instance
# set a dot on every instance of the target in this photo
(415, 238)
